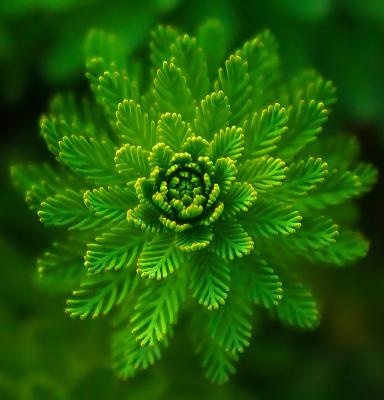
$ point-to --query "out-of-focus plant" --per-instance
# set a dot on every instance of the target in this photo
(340, 38)
(220, 183)
(328, 34)
(45, 38)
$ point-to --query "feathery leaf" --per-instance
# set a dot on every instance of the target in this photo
(227, 143)
(263, 60)
(268, 218)
(172, 93)
(194, 239)
(160, 45)
(128, 357)
(191, 60)
(110, 203)
(309, 85)
(306, 119)
(263, 173)
(234, 82)
(337, 188)
(90, 158)
(172, 130)
(260, 281)
(134, 126)
(297, 308)
(349, 247)
(302, 177)
(264, 131)
(159, 258)
(231, 241)
(67, 209)
(157, 308)
(230, 326)
(210, 279)
(132, 162)
(98, 294)
(315, 233)
(212, 115)
(114, 250)
(239, 199)
(217, 362)
(61, 266)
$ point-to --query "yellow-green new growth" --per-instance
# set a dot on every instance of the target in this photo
(217, 190)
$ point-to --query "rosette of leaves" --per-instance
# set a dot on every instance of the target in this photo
(184, 183)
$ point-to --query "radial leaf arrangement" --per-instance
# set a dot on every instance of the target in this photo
(191, 188)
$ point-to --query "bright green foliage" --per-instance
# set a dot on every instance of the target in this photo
(98, 294)
(213, 190)
(297, 307)
(210, 280)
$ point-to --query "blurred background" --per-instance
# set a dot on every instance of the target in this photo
(43, 354)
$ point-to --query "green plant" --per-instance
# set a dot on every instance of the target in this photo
(216, 190)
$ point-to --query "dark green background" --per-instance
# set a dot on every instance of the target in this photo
(44, 355)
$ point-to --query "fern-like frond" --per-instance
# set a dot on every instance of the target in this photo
(315, 233)
(110, 85)
(337, 188)
(172, 130)
(348, 248)
(110, 203)
(309, 85)
(171, 92)
(196, 146)
(263, 173)
(210, 279)
(231, 241)
(128, 357)
(157, 308)
(116, 249)
(61, 267)
(239, 199)
(225, 173)
(298, 307)
(159, 258)
(263, 60)
(262, 284)
(234, 81)
(194, 239)
(145, 218)
(99, 293)
(160, 45)
(53, 130)
(36, 182)
(212, 115)
(190, 59)
(77, 114)
(264, 130)
(227, 143)
(367, 175)
(230, 326)
(306, 119)
(216, 361)
(302, 177)
(269, 218)
(160, 156)
(67, 209)
(134, 126)
(132, 162)
(90, 158)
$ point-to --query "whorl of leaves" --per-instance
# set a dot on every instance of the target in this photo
(208, 182)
